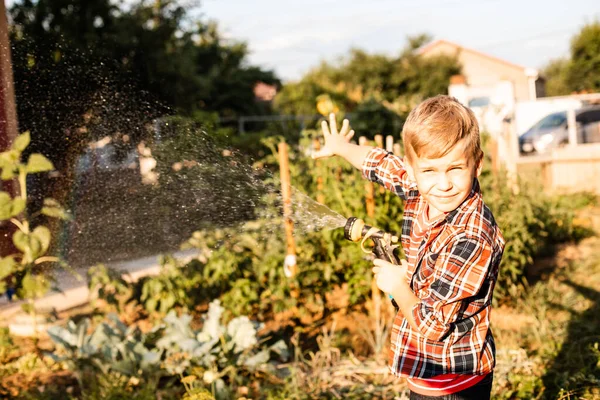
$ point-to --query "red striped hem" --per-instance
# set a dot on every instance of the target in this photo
(443, 385)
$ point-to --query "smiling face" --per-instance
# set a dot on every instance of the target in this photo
(445, 182)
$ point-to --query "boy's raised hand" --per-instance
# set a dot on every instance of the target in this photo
(334, 140)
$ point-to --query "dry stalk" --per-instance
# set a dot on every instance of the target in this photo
(376, 334)
(324, 371)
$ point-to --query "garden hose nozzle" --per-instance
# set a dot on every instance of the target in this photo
(384, 243)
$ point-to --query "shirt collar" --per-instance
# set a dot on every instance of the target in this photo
(453, 216)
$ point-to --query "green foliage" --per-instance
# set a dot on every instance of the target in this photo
(578, 73)
(108, 284)
(371, 117)
(32, 243)
(532, 223)
(244, 265)
(584, 70)
(371, 85)
(225, 354)
(555, 73)
(110, 348)
(6, 345)
(70, 57)
(171, 287)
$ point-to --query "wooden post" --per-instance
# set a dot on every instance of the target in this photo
(369, 187)
(375, 292)
(494, 156)
(546, 173)
(286, 194)
(379, 143)
(320, 196)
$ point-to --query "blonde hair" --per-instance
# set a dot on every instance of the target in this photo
(436, 125)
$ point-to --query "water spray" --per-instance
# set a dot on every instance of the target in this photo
(384, 243)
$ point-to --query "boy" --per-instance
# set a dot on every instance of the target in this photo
(441, 339)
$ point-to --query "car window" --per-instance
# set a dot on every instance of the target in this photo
(589, 117)
(552, 120)
(479, 102)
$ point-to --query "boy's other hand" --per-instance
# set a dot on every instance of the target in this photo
(334, 140)
(389, 277)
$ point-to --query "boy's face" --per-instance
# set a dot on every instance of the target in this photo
(444, 182)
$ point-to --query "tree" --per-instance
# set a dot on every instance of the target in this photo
(86, 69)
(584, 69)
(581, 71)
(556, 77)
(379, 81)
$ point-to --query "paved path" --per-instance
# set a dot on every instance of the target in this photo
(74, 292)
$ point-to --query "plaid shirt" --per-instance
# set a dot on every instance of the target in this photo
(453, 273)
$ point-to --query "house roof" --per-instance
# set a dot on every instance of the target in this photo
(426, 48)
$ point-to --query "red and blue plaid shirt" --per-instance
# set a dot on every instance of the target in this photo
(453, 273)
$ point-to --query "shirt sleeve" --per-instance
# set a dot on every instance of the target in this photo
(464, 266)
(388, 170)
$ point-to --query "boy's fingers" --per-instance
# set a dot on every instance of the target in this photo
(350, 135)
(375, 270)
(380, 263)
(345, 127)
(332, 124)
(325, 128)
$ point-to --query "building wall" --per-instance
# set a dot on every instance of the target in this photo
(484, 71)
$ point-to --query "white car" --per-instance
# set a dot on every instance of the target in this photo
(552, 131)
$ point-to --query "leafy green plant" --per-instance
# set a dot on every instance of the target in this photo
(231, 352)
(221, 352)
(532, 223)
(171, 287)
(23, 268)
(6, 345)
(244, 265)
(108, 284)
(110, 347)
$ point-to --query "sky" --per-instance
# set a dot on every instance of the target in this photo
(293, 36)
